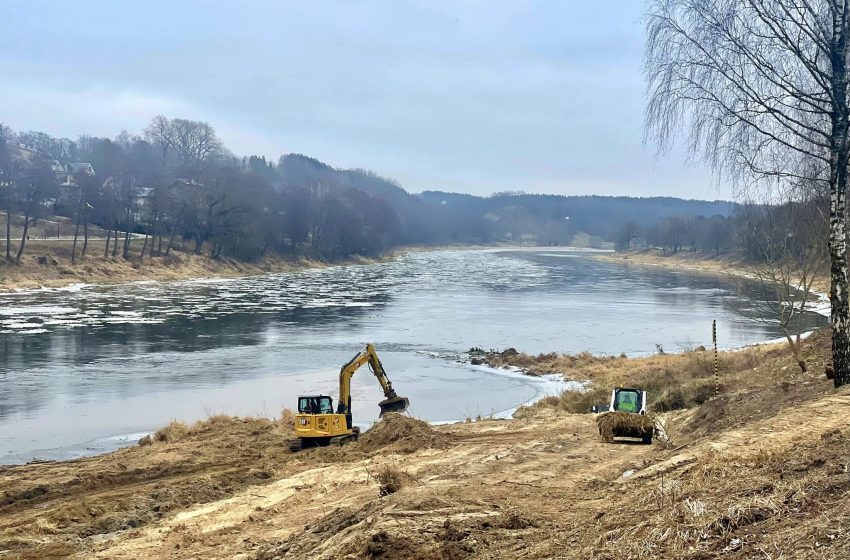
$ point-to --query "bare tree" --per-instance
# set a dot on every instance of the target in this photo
(159, 134)
(761, 88)
(626, 234)
(788, 239)
(32, 188)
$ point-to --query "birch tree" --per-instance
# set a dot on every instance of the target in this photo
(759, 88)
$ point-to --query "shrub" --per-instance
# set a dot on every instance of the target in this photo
(391, 480)
(174, 431)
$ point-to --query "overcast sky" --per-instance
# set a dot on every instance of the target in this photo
(467, 95)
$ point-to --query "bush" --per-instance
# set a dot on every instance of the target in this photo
(287, 418)
(391, 480)
(174, 431)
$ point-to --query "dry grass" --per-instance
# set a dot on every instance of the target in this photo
(287, 418)
(215, 425)
(171, 433)
(630, 425)
(672, 381)
(773, 504)
(391, 479)
(58, 270)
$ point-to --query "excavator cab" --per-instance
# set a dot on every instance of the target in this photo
(320, 404)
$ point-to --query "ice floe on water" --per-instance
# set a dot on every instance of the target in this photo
(37, 310)
(150, 302)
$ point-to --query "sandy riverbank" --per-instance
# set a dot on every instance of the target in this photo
(47, 263)
(45, 267)
(761, 468)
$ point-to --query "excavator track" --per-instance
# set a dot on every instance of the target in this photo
(298, 444)
(339, 441)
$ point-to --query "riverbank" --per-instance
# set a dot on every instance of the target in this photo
(692, 262)
(760, 468)
(673, 381)
(45, 266)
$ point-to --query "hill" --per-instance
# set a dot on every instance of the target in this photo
(442, 217)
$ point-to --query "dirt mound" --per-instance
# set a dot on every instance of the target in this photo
(402, 434)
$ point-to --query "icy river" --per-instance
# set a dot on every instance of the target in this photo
(87, 369)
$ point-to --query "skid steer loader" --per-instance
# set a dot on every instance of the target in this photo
(625, 416)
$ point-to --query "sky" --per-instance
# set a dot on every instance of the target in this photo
(474, 96)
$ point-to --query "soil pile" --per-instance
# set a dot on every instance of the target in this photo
(402, 434)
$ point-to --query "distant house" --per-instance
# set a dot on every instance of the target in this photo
(140, 202)
(86, 168)
(66, 176)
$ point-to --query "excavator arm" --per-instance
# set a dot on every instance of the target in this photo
(391, 403)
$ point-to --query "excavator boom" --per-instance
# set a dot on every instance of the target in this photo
(391, 403)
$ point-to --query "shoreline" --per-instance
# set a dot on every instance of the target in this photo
(59, 273)
(691, 262)
(715, 266)
(547, 385)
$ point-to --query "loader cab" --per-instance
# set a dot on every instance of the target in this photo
(628, 400)
(320, 404)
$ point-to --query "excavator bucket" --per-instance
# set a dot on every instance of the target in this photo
(395, 404)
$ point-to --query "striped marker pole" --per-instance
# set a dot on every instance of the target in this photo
(716, 368)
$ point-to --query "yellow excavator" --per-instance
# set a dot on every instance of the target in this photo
(316, 423)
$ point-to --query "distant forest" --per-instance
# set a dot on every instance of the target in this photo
(176, 183)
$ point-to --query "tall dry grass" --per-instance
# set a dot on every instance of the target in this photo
(673, 381)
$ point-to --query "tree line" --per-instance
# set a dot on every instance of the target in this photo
(753, 232)
(176, 186)
(176, 183)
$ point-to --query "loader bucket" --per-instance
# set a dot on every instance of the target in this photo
(395, 404)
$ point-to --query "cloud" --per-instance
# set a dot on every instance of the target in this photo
(475, 96)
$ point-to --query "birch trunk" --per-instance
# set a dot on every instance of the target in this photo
(839, 303)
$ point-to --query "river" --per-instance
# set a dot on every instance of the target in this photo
(87, 369)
